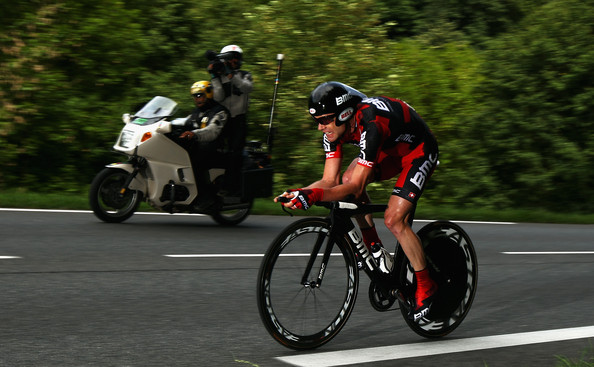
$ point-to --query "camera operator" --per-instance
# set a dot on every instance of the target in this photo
(231, 88)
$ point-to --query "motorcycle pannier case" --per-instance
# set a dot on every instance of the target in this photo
(257, 182)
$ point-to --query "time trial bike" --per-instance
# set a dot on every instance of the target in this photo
(309, 278)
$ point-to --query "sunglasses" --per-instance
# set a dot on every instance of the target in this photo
(324, 120)
(198, 95)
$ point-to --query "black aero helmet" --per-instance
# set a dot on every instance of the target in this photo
(334, 99)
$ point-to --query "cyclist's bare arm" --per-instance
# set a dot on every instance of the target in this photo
(358, 177)
(364, 221)
(354, 182)
(330, 178)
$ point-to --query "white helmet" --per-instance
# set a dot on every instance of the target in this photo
(232, 48)
(235, 52)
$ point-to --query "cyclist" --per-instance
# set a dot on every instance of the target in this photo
(393, 139)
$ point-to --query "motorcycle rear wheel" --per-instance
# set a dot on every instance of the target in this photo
(234, 216)
(105, 199)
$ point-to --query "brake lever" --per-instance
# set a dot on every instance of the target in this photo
(283, 199)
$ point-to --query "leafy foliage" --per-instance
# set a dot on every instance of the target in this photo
(538, 127)
(507, 87)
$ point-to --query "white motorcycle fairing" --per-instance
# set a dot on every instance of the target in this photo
(166, 161)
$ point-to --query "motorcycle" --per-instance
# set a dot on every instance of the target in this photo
(159, 171)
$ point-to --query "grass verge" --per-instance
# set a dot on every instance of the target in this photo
(16, 198)
(586, 359)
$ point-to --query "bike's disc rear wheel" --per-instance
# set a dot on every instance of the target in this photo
(452, 263)
(297, 312)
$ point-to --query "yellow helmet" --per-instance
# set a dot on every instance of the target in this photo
(202, 87)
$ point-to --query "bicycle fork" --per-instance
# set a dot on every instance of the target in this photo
(322, 236)
(312, 258)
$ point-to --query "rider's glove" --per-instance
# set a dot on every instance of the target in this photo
(187, 135)
(305, 198)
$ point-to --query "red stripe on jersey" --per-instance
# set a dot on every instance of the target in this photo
(405, 111)
(383, 124)
(407, 163)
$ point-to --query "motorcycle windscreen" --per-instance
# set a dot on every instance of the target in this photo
(157, 109)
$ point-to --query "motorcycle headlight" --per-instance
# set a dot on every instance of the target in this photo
(126, 138)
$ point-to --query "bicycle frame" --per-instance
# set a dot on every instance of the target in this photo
(300, 315)
(340, 223)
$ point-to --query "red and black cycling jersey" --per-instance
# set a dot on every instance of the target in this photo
(383, 126)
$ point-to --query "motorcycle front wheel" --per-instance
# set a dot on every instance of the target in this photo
(105, 199)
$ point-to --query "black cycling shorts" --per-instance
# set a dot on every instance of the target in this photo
(415, 170)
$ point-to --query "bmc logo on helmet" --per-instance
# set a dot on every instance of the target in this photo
(346, 114)
(342, 99)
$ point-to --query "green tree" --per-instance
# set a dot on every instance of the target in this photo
(320, 44)
(439, 82)
(70, 69)
(478, 20)
(61, 63)
(538, 125)
(506, 86)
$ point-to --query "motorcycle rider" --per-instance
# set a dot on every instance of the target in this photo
(231, 88)
(206, 124)
(393, 140)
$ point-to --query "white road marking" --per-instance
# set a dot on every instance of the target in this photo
(181, 214)
(465, 222)
(237, 255)
(213, 255)
(429, 348)
(9, 257)
(44, 210)
(548, 253)
(87, 211)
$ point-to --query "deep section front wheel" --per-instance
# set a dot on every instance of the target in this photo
(452, 264)
(105, 196)
(304, 297)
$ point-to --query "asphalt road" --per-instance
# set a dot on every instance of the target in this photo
(78, 292)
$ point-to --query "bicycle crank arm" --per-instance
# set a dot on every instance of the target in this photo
(403, 299)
